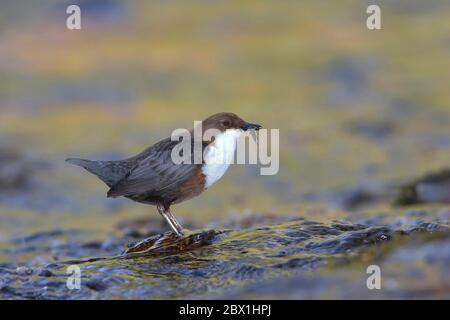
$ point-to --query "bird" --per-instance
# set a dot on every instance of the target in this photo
(153, 177)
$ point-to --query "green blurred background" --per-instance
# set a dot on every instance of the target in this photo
(353, 106)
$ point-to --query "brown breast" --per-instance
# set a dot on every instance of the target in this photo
(192, 187)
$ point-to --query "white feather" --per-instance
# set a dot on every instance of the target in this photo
(219, 155)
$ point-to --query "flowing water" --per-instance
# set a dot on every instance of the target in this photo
(219, 263)
(364, 122)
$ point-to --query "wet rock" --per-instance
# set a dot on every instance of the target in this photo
(96, 284)
(248, 272)
(45, 273)
(211, 262)
(431, 188)
(369, 236)
(170, 243)
(415, 271)
(421, 226)
(4, 266)
(307, 263)
(24, 271)
(8, 292)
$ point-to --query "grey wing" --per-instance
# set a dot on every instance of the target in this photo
(154, 173)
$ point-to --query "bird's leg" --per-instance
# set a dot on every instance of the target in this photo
(171, 220)
(178, 227)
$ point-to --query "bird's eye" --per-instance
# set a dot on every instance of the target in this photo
(226, 123)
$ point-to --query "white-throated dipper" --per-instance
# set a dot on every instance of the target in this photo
(152, 177)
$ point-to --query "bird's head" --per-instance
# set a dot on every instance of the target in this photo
(224, 121)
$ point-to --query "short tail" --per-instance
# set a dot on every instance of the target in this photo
(105, 170)
(80, 162)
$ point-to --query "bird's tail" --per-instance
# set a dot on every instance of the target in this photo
(105, 170)
(81, 162)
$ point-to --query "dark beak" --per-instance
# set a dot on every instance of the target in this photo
(249, 126)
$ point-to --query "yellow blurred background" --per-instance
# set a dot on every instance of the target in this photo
(353, 106)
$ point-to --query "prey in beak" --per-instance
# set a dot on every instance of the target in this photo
(250, 126)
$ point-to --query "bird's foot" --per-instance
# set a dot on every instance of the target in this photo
(179, 233)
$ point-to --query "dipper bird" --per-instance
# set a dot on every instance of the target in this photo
(152, 177)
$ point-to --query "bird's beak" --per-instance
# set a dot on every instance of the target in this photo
(249, 126)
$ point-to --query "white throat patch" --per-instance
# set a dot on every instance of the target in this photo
(219, 155)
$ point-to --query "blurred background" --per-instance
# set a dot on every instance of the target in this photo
(357, 109)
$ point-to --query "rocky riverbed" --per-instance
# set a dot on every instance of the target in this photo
(290, 258)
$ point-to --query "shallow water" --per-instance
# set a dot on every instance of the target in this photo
(229, 263)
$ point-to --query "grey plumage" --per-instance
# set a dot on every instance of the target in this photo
(148, 177)
(152, 177)
(154, 174)
(110, 172)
